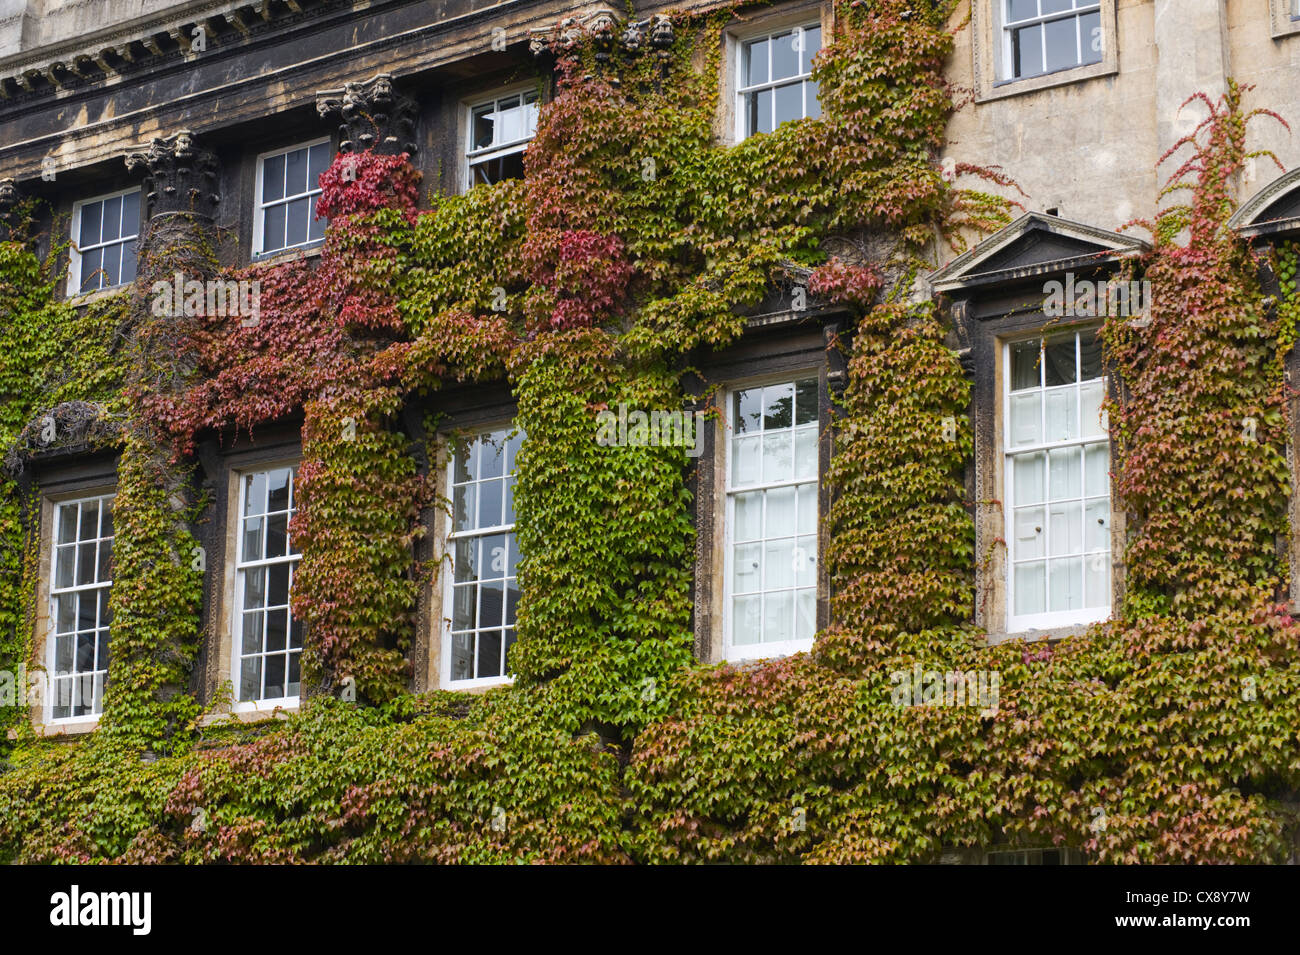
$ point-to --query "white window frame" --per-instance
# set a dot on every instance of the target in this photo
(237, 607)
(759, 651)
(1006, 28)
(104, 499)
(75, 251)
(449, 571)
(767, 31)
(1063, 618)
(469, 156)
(260, 207)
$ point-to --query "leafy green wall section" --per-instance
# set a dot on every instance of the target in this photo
(1169, 733)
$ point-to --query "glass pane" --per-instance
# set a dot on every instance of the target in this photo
(805, 616)
(807, 509)
(88, 529)
(756, 54)
(747, 409)
(254, 588)
(1096, 525)
(275, 667)
(295, 173)
(273, 179)
(812, 42)
(1065, 522)
(811, 101)
(1029, 542)
(295, 633)
(104, 572)
(252, 542)
(65, 566)
(316, 224)
(254, 494)
(463, 507)
(1096, 581)
(1054, 6)
(778, 564)
(1029, 587)
(760, 112)
(1022, 10)
(91, 219)
(1095, 422)
(804, 561)
(778, 617)
(1064, 584)
(1089, 355)
(489, 654)
(785, 58)
(1091, 39)
(1027, 51)
(1062, 43)
(748, 516)
(747, 620)
(295, 230)
(112, 221)
(778, 406)
(67, 523)
(482, 121)
(106, 519)
(1065, 473)
(101, 650)
(492, 603)
(128, 262)
(1025, 372)
(317, 163)
(112, 266)
(464, 607)
(131, 214)
(512, 120)
(780, 512)
(805, 402)
(1062, 415)
(1027, 483)
(278, 586)
(805, 452)
(273, 229)
(778, 462)
(1058, 362)
(747, 570)
(1026, 419)
(789, 103)
(492, 460)
(65, 613)
(1096, 470)
(489, 503)
(277, 629)
(91, 264)
(495, 557)
(512, 602)
(462, 657)
(465, 560)
(746, 460)
(513, 548)
(251, 634)
(85, 564)
(295, 685)
(277, 485)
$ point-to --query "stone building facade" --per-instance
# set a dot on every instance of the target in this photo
(115, 111)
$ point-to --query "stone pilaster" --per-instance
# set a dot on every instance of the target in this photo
(180, 176)
(374, 116)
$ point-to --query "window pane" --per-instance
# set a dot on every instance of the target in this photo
(1030, 541)
(1061, 414)
(318, 162)
(1025, 372)
(295, 232)
(91, 217)
(277, 489)
(1096, 581)
(756, 54)
(273, 229)
(67, 523)
(316, 224)
(778, 406)
(747, 569)
(785, 58)
(1062, 43)
(1064, 584)
(811, 102)
(1026, 419)
(746, 460)
(789, 103)
(128, 262)
(111, 265)
(1097, 466)
(91, 275)
(778, 459)
(780, 512)
(1054, 6)
(748, 409)
(251, 633)
(1065, 473)
(255, 494)
(489, 654)
(295, 173)
(760, 112)
(1058, 362)
(1089, 355)
(112, 219)
(812, 43)
(482, 126)
(807, 506)
(1027, 51)
(1022, 10)
(1093, 418)
(511, 120)
(748, 523)
(1030, 580)
(131, 214)
(1096, 525)
(1090, 37)
(273, 179)
(489, 503)
(778, 617)
(805, 453)
(747, 620)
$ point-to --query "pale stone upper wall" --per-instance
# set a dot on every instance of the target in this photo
(1089, 148)
(27, 25)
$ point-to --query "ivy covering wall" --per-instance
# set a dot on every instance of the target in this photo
(1171, 733)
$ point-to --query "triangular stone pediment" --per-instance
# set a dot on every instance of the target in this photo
(1035, 244)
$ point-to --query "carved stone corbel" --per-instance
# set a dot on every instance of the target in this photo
(374, 116)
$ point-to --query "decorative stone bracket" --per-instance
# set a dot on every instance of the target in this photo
(179, 175)
(374, 116)
(602, 26)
